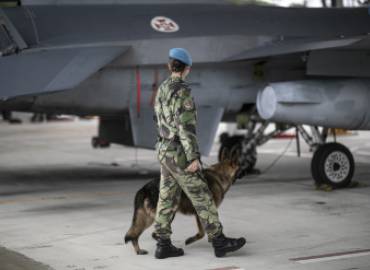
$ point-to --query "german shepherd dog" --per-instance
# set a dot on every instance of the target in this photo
(219, 177)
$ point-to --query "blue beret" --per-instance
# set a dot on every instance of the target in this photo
(181, 55)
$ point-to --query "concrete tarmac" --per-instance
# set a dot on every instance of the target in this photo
(64, 205)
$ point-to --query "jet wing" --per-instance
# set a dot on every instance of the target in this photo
(45, 70)
(293, 46)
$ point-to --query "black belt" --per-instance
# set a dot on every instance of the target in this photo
(174, 142)
(174, 139)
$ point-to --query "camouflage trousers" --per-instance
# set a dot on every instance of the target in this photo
(173, 181)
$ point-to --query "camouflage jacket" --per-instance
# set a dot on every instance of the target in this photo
(176, 122)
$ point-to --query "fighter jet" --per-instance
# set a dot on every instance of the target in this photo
(291, 66)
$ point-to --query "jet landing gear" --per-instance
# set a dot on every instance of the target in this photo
(332, 163)
(244, 147)
(97, 142)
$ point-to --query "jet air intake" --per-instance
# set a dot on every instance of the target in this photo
(328, 103)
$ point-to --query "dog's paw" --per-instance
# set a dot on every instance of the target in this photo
(142, 252)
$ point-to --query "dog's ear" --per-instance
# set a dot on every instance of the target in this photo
(224, 155)
(235, 160)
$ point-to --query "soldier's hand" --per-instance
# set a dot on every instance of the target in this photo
(193, 167)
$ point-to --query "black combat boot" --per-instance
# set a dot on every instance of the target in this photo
(165, 249)
(223, 244)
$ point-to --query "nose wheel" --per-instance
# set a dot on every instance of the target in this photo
(97, 142)
(332, 164)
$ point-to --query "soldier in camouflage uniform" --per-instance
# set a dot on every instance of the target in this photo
(179, 157)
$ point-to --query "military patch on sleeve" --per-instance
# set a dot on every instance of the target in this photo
(188, 104)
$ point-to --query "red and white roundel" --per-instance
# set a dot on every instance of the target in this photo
(164, 24)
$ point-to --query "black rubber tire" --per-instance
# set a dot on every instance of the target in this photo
(319, 159)
(104, 144)
(95, 142)
(314, 168)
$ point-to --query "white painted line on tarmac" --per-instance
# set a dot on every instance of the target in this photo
(332, 256)
(228, 268)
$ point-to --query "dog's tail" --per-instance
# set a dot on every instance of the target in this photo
(138, 225)
(138, 219)
(144, 210)
(131, 234)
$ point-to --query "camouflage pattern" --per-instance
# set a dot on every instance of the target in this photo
(177, 147)
(176, 121)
